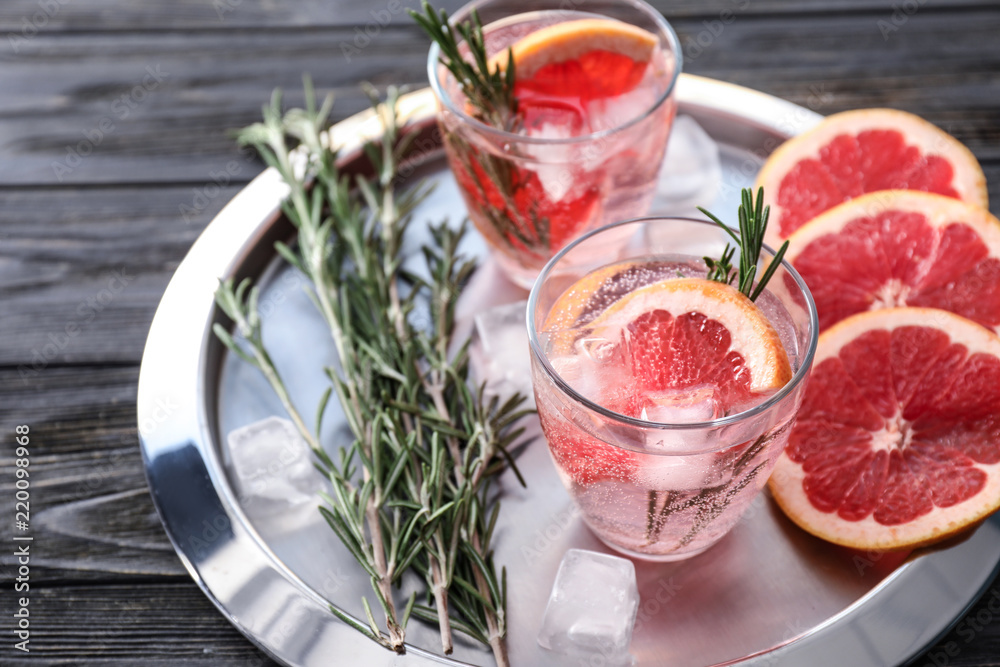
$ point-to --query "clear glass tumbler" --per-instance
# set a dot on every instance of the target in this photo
(561, 168)
(659, 491)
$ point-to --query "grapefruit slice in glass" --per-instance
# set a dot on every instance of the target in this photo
(584, 59)
(901, 248)
(855, 152)
(897, 442)
(659, 342)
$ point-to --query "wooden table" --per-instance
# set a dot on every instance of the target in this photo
(115, 153)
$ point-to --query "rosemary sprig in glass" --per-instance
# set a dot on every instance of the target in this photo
(412, 489)
(490, 92)
(753, 224)
(487, 84)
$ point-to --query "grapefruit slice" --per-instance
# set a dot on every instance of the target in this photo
(901, 248)
(665, 340)
(897, 442)
(682, 332)
(586, 58)
(851, 153)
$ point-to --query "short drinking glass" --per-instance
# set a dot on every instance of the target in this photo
(661, 468)
(573, 158)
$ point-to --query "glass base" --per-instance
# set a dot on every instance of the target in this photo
(658, 558)
(522, 276)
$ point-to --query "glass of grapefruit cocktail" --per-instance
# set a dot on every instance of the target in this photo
(594, 89)
(666, 398)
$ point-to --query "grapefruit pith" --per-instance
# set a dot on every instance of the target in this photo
(897, 442)
(901, 248)
(852, 153)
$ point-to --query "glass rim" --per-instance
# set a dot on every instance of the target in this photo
(536, 349)
(433, 57)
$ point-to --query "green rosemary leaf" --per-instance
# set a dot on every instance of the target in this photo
(752, 218)
(360, 627)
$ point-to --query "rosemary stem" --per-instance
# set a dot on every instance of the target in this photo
(496, 634)
(286, 401)
(440, 587)
(397, 635)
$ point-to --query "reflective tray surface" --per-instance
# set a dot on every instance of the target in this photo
(767, 594)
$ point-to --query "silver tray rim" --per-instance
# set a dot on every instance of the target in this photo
(176, 397)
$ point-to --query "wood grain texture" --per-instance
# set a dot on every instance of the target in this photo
(107, 588)
(82, 269)
(21, 16)
(159, 107)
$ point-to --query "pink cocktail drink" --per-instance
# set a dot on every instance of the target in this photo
(587, 140)
(665, 398)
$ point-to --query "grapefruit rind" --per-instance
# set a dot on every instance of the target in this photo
(571, 39)
(752, 335)
(968, 181)
(938, 211)
(786, 482)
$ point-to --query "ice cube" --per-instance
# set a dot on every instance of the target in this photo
(592, 607)
(273, 465)
(691, 170)
(664, 469)
(500, 353)
(590, 369)
(682, 406)
(608, 113)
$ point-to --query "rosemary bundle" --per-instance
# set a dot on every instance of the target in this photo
(413, 491)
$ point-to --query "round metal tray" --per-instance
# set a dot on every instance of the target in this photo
(768, 594)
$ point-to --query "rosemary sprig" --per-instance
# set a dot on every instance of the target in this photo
(489, 91)
(753, 224)
(409, 491)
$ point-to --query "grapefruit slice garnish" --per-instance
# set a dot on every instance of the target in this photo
(585, 58)
(692, 331)
(855, 152)
(897, 442)
(677, 334)
(901, 248)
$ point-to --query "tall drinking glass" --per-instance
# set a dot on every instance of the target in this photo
(570, 161)
(669, 481)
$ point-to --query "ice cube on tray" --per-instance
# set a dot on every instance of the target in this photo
(691, 172)
(592, 607)
(273, 465)
(500, 353)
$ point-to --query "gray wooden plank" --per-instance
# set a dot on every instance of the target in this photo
(85, 108)
(91, 515)
(22, 18)
(82, 270)
(130, 623)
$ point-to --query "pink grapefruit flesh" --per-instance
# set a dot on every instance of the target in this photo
(897, 443)
(899, 248)
(855, 152)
